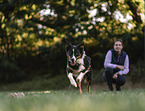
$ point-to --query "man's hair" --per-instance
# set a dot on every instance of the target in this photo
(120, 40)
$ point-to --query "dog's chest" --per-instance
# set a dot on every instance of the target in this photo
(81, 67)
(80, 61)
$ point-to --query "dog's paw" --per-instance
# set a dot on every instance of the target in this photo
(74, 84)
(72, 81)
(80, 77)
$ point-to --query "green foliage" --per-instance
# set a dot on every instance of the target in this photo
(30, 37)
(39, 83)
(97, 76)
(10, 72)
(137, 70)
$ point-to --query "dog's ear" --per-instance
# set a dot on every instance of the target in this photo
(81, 47)
(67, 46)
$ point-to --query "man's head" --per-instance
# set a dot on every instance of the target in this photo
(118, 45)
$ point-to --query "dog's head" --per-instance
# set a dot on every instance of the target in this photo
(74, 52)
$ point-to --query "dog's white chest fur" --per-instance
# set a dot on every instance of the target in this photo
(80, 61)
(81, 67)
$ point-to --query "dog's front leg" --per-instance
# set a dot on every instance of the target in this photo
(72, 81)
(80, 89)
(80, 77)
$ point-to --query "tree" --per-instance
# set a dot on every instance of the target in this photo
(26, 31)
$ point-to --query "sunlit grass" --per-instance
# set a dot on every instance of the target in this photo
(98, 100)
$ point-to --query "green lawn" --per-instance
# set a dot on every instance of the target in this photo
(64, 100)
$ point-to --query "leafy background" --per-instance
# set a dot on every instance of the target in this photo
(33, 34)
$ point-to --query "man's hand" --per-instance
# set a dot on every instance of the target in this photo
(120, 67)
(115, 75)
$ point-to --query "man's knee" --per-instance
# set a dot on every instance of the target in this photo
(121, 80)
(109, 72)
(104, 76)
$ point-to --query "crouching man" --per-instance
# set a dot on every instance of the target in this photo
(116, 66)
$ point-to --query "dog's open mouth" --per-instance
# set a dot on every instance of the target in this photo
(73, 63)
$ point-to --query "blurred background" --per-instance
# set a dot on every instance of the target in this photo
(33, 34)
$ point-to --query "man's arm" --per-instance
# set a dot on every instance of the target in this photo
(126, 66)
(108, 59)
(125, 70)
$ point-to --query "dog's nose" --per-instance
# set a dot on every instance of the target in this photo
(72, 59)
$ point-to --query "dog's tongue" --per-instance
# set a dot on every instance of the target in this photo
(72, 63)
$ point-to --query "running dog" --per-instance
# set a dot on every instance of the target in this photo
(78, 65)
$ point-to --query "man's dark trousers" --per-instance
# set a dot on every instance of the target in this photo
(108, 77)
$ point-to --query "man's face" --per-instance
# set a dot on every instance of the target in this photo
(118, 46)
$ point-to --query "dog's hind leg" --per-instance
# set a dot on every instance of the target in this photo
(80, 89)
(89, 86)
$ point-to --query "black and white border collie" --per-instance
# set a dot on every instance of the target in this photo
(78, 65)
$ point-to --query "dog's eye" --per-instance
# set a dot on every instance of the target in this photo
(70, 52)
(77, 53)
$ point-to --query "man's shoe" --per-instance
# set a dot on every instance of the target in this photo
(118, 88)
(110, 88)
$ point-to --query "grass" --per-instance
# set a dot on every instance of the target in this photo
(71, 100)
